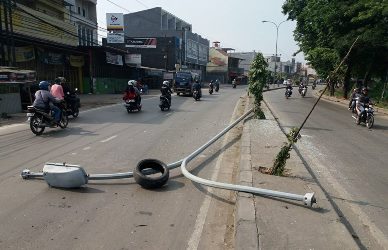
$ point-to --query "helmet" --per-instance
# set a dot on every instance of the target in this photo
(364, 90)
(165, 83)
(57, 80)
(131, 82)
(211, 81)
(44, 85)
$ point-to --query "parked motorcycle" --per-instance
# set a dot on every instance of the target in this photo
(164, 103)
(366, 116)
(72, 103)
(304, 91)
(288, 93)
(131, 104)
(196, 95)
(41, 118)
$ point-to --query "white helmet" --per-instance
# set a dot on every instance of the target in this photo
(131, 82)
(165, 82)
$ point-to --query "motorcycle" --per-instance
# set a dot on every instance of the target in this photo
(314, 86)
(196, 95)
(304, 91)
(366, 116)
(72, 103)
(234, 85)
(217, 87)
(42, 118)
(131, 105)
(211, 88)
(288, 93)
(164, 103)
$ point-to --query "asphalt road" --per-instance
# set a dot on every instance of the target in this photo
(119, 214)
(349, 161)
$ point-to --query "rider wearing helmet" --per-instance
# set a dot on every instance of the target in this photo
(363, 99)
(132, 92)
(166, 90)
(197, 86)
(45, 100)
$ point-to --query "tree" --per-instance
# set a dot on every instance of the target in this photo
(325, 30)
(258, 75)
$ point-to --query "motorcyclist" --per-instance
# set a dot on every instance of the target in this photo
(363, 99)
(211, 84)
(45, 100)
(57, 90)
(197, 86)
(289, 88)
(217, 84)
(132, 92)
(166, 90)
(301, 86)
(353, 98)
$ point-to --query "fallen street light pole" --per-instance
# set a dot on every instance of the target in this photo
(73, 176)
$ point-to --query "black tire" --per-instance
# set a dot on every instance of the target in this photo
(75, 112)
(370, 121)
(35, 121)
(64, 120)
(358, 120)
(149, 182)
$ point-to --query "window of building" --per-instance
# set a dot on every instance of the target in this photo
(79, 10)
(83, 12)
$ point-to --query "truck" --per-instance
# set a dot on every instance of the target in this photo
(184, 82)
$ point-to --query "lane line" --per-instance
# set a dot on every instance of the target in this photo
(110, 138)
(86, 148)
(203, 211)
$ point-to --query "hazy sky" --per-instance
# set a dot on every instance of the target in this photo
(235, 23)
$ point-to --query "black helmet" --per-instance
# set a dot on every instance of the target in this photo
(211, 81)
(57, 80)
(364, 90)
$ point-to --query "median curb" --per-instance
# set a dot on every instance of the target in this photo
(246, 232)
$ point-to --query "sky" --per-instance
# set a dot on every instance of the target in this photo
(236, 24)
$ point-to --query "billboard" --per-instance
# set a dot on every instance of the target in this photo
(114, 21)
(115, 59)
(140, 43)
(218, 61)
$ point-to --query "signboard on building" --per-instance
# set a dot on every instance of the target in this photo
(115, 38)
(218, 61)
(112, 58)
(140, 43)
(114, 21)
(133, 59)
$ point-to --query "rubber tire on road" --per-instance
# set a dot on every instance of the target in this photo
(75, 113)
(369, 122)
(151, 182)
(64, 121)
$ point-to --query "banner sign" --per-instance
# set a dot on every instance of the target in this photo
(115, 38)
(133, 59)
(77, 61)
(24, 54)
(112, 58)
(50, 58)
(114, 21)
(140, 43)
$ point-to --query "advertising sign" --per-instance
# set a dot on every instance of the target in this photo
(50, 57)
(114, 21)
(218, 61)
(114, 59)
(133, 59)
(76, 61)
(140, 43)
(115, 38)
(24, 54)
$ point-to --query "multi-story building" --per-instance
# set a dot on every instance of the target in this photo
(247, 60)
(83, 14)
(191, 49)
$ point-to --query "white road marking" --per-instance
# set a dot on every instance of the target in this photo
(110, 138)
(201, 217)
(86, 148)
(11, 126)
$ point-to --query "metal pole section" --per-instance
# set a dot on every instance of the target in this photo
(10, 7)
(1, 35)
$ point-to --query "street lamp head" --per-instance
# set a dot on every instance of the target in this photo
(264, 21)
